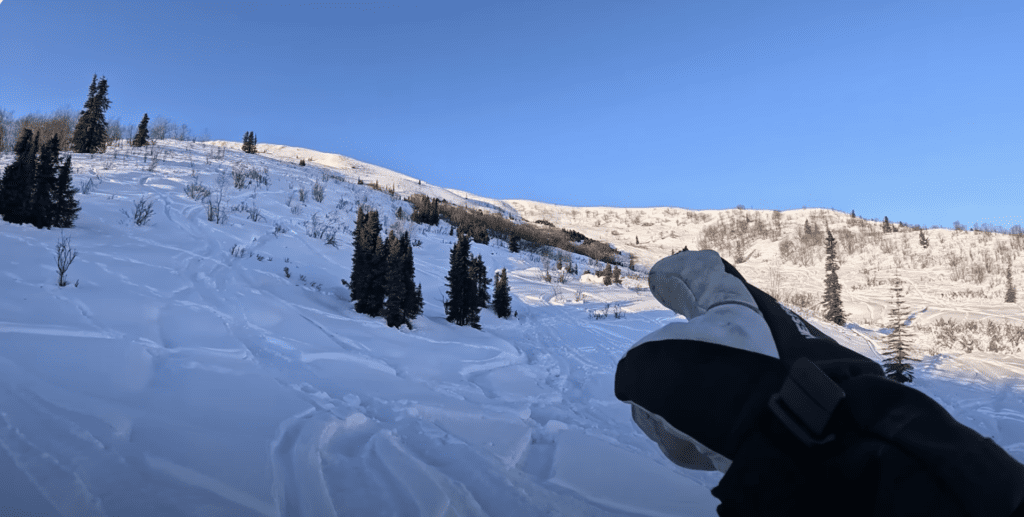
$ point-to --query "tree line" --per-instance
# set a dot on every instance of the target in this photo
(383, 284)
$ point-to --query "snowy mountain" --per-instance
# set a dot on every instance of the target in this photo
(197, 368)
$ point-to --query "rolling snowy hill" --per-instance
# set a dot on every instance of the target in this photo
(196, 368)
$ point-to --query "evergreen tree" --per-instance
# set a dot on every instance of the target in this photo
(358, 281)
(833, 302)
(249, 143)
(374, 299)
(142, 134)
(513, 244)
(607, 274)
(19, 180)
(923, 240)
(478, 275)
(897, 362)
(413, 306)
(807, 227)
(395, 285)
(42, 205)
(90, 135)
(853, 214)
(615, 276)
(367, 281)
(886, 227)
(502, 298)
(1011, 292)
(65, 205)
(461, 290)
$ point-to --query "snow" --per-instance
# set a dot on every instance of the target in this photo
(178, 378)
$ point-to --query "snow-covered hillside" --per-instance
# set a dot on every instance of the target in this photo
(195, 368)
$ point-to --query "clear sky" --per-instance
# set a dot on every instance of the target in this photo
(910, 109)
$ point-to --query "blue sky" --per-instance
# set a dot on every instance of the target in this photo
(912, 110)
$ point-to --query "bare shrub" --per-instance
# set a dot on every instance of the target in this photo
(197, 191)
(318, 192)
(65, 256)
(977, 273)
(87, 187)
(142, 212)
(786, 249)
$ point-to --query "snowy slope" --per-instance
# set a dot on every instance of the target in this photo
(187, 374)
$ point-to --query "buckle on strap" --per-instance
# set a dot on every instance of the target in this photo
(806, 401)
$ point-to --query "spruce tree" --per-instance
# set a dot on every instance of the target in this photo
(853, 214)
(807, 227)
(142, 134)
(461, 289)
(897, 362)
(607, 274)
(833, 302)
(886, 227)
(923, 240)
(249, 142)
(502, 298)
(65, 205)
(42, 205)
(478, 275)
(1011, 292)
(90, 135)
(357, 281)
(18, 181)
(377, 254)
(395, 286)
(413, 306)
(513, 244)
(616, 279)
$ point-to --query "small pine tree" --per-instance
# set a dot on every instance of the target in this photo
(142, 134)
(90, 134)
(413, 306)
(897, 363)
(1011, 292)
(358, 280)
(395, 286)
(616, 279)
(65, 205)
(374, 300)
(922, 239)
(478, 275)
(502, 298)
(461, 289)
(513, 244)
(19, 180)
(367, 281)
(606, 274)
(886, 227)
(807, 227)
(853, 214)
(42, 205)
(833, 301)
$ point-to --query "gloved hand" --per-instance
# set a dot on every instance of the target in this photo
(698, 388)
(799, 424)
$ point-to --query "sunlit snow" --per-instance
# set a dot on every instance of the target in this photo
(187, 374)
